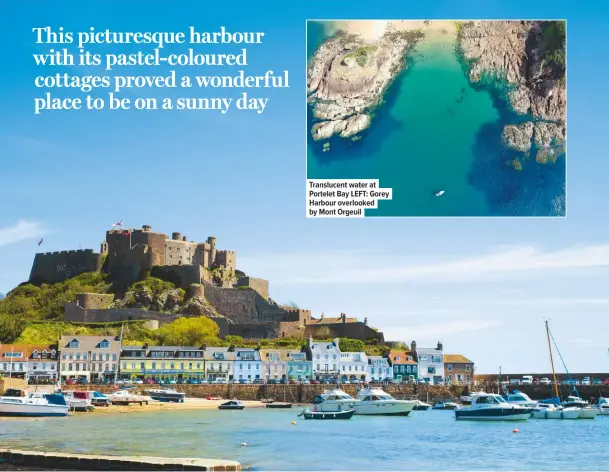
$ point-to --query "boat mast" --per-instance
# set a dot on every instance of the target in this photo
(552, 361)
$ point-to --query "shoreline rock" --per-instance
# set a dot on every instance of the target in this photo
(348, 76)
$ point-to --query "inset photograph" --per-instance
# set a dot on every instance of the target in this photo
(452, 118)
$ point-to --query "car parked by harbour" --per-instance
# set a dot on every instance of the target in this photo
(545, 381)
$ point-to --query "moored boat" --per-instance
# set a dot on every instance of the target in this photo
(421, 406)
(278, 405)
(334, 400)
(467, 399)
(313, 414)
(445, 405)
(602, 405)
(123, 397)
(519, 398)
(547, 411)
(78, 400)
(492, 407)
(166, 395)
(232, 405)
(375, 401)
(588, 413)
(34, 404)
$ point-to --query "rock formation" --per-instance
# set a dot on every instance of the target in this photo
(348, 76)
(530, 56)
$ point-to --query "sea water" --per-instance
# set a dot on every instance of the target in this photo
(437, 131)
(429, 440)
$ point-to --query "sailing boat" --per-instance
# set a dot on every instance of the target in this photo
(554, 408)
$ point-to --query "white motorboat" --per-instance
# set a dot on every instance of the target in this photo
(421, 406)
(446, 405)
(440, 193)
(492, 407)
(34, 404)
(166, 395)
(575, 401)
(519, 398)
(375, 401)
(546, 411)
(602, 405)
(78, 401)
(467, 399)
(334, 400)
(124, 397)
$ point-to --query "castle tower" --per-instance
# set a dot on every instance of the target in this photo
(212, 242)
(176, 236)
(104, 248)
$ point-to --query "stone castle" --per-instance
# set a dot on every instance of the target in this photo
(241, 304)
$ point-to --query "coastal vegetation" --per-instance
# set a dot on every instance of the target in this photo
(361, 55)
(555, 35)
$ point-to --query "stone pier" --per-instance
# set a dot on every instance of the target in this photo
(62, 461)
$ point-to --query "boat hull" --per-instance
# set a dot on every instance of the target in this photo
(32, 410)
(494, 414)
(556, 415)
(324, 415)
(588, 414)
(421, 407)
(241, 407)
(279, 405)
(384, 408)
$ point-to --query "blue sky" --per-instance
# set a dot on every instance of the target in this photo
(483, 287)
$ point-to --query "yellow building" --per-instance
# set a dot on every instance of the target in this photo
(162, 363)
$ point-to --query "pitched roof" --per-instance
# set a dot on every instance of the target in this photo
(284, 354)
(88, 342)
(403, 357)
(25, 349)
(456, 359)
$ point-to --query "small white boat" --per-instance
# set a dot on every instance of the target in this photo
(545, 411)
(123, 397)
(34, 404)
(440, 193)
(602, 405)
(421, 406)
(375, 401)
(166, 395)
(447, 405)
(78, 401)
(575, 401)
(492, 407)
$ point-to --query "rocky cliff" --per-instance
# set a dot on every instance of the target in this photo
(530, 55)
(347, 77)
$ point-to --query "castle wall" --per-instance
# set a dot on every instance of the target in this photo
(94, 300)
(290, 329)
(242, 306)
(227, 259)
(54, 267)
(357, 330)
(182, 276)
(260, 285)
(254, 330)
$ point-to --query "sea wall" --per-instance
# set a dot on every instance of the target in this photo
(301, 393)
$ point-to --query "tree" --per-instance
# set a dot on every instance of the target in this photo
(188, 332)
(234, 340)
(351, 345)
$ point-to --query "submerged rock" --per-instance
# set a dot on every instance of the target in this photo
(518, 137)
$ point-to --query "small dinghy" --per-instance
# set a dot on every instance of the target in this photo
(327, 415)
(278, 405)
(232, 405)
(440, 193)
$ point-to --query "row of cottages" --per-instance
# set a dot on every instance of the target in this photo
(99, 358)
(30, 361)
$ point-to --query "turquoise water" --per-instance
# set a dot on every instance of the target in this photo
(437, 131)
(430, 440)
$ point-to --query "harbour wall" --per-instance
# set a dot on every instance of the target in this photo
(302, 393)
(38, 460)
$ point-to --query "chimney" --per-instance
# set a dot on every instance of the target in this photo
(413, 347)
(146, 228)
(322, 316)
(185, 238)
(176, 236)
(343, 317)
(439, 348)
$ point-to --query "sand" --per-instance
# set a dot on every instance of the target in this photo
(374, 29)
(153, 406)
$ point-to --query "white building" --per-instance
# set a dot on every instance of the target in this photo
(247, 364)
(42, 365)
(92, 358)
(379, 369)
(325, 357)
(431, 364)
(219, 363)
(354, 366)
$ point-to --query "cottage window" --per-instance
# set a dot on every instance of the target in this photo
(467, 367)
(133, 365)
(172, 366)
(44, 354)
(74, 344)
(35, 354)
(449, 367)
(104, 344)
(124, 365)
(93, 357)
(181, 366)
(467, 377)
(53, 354)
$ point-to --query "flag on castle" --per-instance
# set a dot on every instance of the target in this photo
(41, 241)
(119, 224)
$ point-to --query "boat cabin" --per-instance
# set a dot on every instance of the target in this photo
(490, 399)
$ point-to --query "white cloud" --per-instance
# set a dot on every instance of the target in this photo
(22, 231)
(358, 267)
